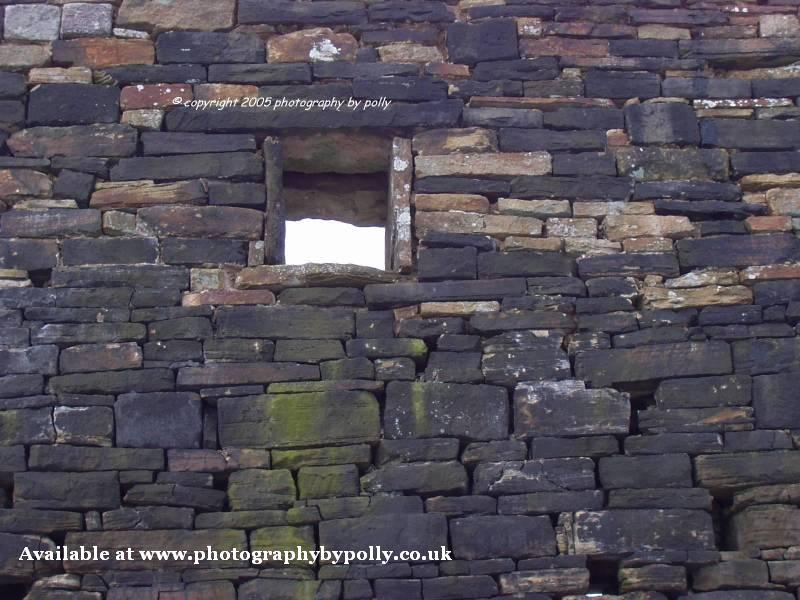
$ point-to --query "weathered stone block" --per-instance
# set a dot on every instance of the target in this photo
(738, 251)
(393, 532)
(285, 322)
(699, 392)
(774, 401)
(615, 532)
(74, 458)
(259, 489)
(66, 491)
(84, 19)
(291, 420)
(659, 164)
(206, 48)
(567, 408)
(483, 537)
(646, 363)
(75, 141)
(433, 409)
(205, 221)
(32, 22)
(724, 473)
(225, 165)
(662, 123)
(768, 526)
(489, 40)
(36, 359)
(171, 15)
(533, 476)
(417, 478)
(158, 420)
(84, 425)
(636, 472)
(26, 426)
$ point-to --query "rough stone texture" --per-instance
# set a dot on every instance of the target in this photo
(595, 209)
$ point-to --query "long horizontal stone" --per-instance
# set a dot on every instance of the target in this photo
(66, 491)
(213, 222)
(567, 408)
(285, 322)
(147, 193)
(399, 294)
(79, 140)
(738, 251)
(635, 265)
(83, 458)
(711, 295)
(244, 374)
(647, 363)
(391, 531)
(225, 165)
(725, 473)
(114, 382)
(422, 410)
(484, 165)
(297, 420)
(500, 226)
(618, 532)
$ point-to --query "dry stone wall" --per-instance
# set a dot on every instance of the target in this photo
(584, 381)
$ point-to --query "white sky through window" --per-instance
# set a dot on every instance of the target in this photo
(319, 241)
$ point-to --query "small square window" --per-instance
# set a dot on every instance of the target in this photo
(338, 199)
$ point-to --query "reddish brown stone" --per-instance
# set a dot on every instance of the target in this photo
(222, 91)
(98, 53)
(19, 183)
(768, 224)
(161, 95)
(177, 15)
(555, 46)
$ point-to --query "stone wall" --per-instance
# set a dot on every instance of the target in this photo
(585, 379)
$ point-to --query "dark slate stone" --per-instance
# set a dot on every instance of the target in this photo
(82, 251)
(414, 11)
(502, 117)
(437, 239)
(156, 142)
(525, 140)
(462, 185)
(747, 134)
(776, 88)
(87, 164)
(447, 263)
(749, 163)
(775, 401)
(349, 70)
(622, 84)
(73, 104)
(138, 276)
(466, 411)
(12, 114)
(247, 195)
(158, 420)
(404, 89)
(227, 165)
(567, 286)
(665, 48)
(621, 265)
(662, 123)
(12, 85)
(524, 263)
(533, 69)
(469, 87)
(725, 315)
(260, 73)
(134, 74)
(74, 185)
(571, 188)
(768, 293)
(709, 209)
(687, 190)
(766, 355)
(483, 537)
(708, 87)
(187, 251)
(284, 322)
(489, 40)
(327, 12)
(28, 254)
(646, 363)
(399, 294)
(557, 447)
(207, 47)
(511, 10)
(585, 118)
(650, 335)
(738, 251)
(637, 472)
(585, 164)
